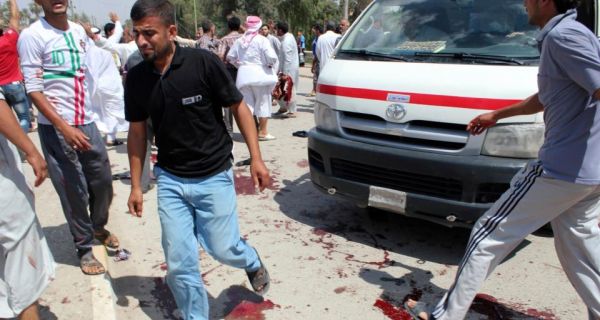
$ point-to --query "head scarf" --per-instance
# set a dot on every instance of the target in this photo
(253, 24)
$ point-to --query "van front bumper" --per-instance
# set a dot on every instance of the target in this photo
(453, 190)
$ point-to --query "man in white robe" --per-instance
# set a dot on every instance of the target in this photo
(288, 65)
(106, 90)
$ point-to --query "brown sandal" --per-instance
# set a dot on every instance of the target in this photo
(108, 239)
(88, 262)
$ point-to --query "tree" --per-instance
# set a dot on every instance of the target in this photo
(300, 14)
(357, 7)
(35, 10)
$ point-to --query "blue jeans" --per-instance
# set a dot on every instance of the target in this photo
(16, 97)
(204, 211)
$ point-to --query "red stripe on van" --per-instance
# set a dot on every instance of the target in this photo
(418, 98)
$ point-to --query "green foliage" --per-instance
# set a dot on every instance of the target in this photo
(299, 14)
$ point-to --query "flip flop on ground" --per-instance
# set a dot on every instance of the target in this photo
(301, 134)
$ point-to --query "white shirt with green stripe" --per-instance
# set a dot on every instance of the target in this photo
(53, 62)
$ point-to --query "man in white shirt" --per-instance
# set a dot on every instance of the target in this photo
(52, 52)
(114, 29)
(326, 44)
(122, 50)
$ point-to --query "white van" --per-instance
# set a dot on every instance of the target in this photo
(393, 104)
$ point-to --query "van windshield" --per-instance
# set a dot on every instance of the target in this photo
(460, 31)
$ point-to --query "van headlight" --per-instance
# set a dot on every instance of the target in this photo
(326, 118)
(514, 141)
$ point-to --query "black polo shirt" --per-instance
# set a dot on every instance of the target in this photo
(184, 105)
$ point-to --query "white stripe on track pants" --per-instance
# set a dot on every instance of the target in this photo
(530, 203)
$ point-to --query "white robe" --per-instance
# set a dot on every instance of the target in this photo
(257, 65)
(288, 58)
(326, 46)
(106, 90)
(257, 62)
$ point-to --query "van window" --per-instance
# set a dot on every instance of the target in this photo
(422, 30)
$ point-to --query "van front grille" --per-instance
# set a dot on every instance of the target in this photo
(419, 134)
(440, 187)
(406, 141)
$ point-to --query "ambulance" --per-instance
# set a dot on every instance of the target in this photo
(393, 104)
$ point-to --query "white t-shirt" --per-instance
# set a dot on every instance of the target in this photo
(325, 47)
(53, 62)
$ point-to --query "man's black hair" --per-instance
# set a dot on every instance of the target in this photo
(318, 27)
(234, 23)
(108, 28)
(563, 6)
(163, 9)
(206, 26)
(283, 26)
(330, 26)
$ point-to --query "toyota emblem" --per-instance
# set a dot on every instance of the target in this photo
(395, 112)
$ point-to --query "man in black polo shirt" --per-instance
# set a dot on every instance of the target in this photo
(182, 90)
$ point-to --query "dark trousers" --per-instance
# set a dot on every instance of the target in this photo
(82, 180)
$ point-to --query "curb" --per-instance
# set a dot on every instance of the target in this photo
(103, 294)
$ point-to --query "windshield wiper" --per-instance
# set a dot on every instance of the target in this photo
(364, 52)
(470, 57)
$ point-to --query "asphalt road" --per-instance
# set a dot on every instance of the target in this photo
(327, 258)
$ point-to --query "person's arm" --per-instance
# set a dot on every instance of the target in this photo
(579, 60)
(9, 127)
(269, 54)
(245, 121)
(15, 16)
(480, 123)
(136, 151)
(102, 42)
(183, 42)
(118, 34)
